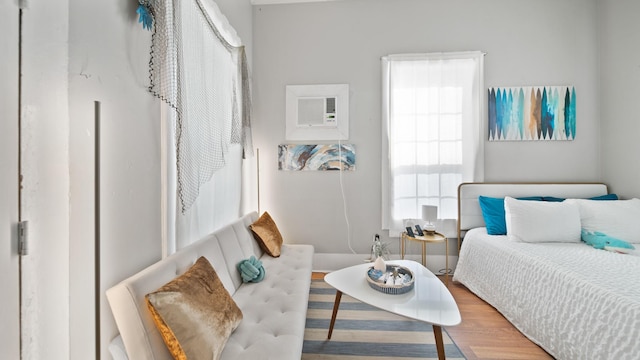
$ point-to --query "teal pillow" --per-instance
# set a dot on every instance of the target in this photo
(601, 197)
(251, 270)
(493, 213)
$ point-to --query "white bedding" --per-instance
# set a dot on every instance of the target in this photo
(576, 302)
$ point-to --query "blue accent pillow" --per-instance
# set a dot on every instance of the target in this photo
(493, 213)
(601, 197)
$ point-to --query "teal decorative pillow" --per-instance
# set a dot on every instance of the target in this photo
(493, 213)
(493, 210)
(601, 197)
(251, 270)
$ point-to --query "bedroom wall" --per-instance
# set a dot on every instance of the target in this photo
(45, 179)
(108, 62)
(620, 89)
(527, 43)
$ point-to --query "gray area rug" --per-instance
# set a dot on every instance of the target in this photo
(364, 332)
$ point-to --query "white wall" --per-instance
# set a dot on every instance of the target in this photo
(528, 43)
(619, 94)
(108, 62)
(9, 217)
(45, 170)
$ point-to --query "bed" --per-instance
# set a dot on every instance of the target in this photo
(575, 301)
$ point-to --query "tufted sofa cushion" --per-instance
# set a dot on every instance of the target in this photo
(274, 310)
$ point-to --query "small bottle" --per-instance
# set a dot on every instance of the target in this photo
(376, 248)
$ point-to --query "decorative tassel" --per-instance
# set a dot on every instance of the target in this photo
(145, 17)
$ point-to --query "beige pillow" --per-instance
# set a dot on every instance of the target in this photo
(194, 313)
(267, 234)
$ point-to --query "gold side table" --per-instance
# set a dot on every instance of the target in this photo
(434, 237)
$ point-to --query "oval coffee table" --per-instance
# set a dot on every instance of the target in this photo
(429, 301)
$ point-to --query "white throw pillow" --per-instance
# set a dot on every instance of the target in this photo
(541, 221)
(616, 218)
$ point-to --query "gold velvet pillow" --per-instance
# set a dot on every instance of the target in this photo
(194, 313)
(267, 234)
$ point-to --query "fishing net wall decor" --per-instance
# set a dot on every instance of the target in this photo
(199, 67)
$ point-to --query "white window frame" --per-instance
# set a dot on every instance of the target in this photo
(472, 133)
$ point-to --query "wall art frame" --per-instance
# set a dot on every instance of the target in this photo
(532, 113)
(296, 157)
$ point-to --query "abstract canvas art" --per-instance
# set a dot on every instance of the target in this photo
(316, 157)
(532, 113)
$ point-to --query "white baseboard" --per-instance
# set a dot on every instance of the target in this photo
(326, 262)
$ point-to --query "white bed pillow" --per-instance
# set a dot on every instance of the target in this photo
(616, 218)
(541, 221)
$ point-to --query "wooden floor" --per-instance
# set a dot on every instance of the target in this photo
(484, 333)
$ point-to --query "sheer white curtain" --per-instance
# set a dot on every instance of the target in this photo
(220, 200)
(205, 132)
(432, 132)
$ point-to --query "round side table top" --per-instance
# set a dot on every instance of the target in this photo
(433, 237)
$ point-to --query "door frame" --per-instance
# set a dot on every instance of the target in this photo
(10, 340)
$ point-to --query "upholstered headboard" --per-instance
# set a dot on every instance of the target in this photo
(470, 214)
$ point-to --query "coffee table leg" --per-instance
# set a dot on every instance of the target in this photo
(336, 305)
(437, 333)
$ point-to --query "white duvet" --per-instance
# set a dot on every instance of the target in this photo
(576, 302)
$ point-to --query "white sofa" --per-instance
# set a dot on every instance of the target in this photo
(274, 310)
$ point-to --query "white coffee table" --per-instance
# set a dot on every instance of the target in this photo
(429, 301)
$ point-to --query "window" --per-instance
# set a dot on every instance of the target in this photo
(432, 137)
(199, 69)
